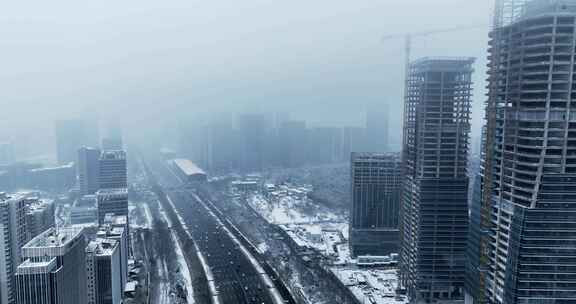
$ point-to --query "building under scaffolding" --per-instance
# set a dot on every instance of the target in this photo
(527, 235)
(434, 212)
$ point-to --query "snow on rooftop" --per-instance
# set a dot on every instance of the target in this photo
(60, 167)
(371, 285)
(52, 238)
(11, 196)
(113, 155)
(188, 167)
(39, 204)
(103, 246)
(130, 286)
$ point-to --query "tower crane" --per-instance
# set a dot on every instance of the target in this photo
(409, 36)
(408, 44)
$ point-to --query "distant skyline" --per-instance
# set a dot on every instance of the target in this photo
(145, 58)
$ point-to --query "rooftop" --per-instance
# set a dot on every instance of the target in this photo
(43, 265)
(112, 192)
(113, 155)
(115, 220)
(130, 286)
(188, 166)
(102, 246)
(108, 231)
(376, 286)
(86, 201)
(443, 63)
(4, 196)
(366, 156)
(38, 204)
(67, 166)
(54, 238)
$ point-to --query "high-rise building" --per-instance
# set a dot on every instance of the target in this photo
(220, 147)
(377, 129)
(34, 279)
(53, 179)
(252, 132)
(39, 216)
(527, 205)
(113, 138)
(434, 207)
(113, 172)
(69, 138)
(71, 135)
(322, 145)
(7, 155)
(91, 131)
(376, 186)
(88, 167)
(54, 268)
(291, 145)
(12, 237)
(353, 140)
(116, 228)
(112, 201)
(103, 268)
(84, 210)
(194, 142)
(91, 275)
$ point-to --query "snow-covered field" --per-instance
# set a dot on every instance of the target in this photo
(309, 225)
(290, 210)
(315, 227)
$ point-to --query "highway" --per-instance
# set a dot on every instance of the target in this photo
(236, 280)
(233, 273)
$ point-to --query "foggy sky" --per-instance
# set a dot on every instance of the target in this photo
(321, 60)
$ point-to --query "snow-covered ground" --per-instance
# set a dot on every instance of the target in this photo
(371, 285)
(324, 237)
(291, 210)
(315, 227)
(164, 294)
(143, 218)
(140, 214)
(184, 271)
(309, 225)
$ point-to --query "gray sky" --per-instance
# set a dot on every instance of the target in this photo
(146, 58)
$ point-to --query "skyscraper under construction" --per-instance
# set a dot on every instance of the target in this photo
(434, 211)
(525, 208)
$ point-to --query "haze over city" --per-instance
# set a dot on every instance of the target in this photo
(296, 152)
(187, 59)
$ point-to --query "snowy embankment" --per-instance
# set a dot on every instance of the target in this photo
(183, 265)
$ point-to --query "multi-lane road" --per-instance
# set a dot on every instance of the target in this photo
(234, 272)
